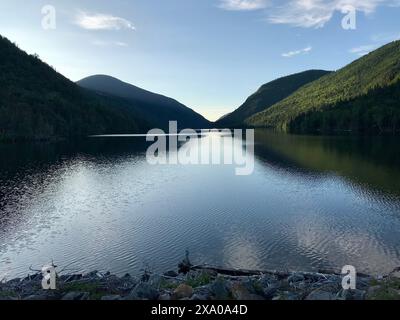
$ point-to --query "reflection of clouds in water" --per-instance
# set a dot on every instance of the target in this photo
(338, 246)
(242, 252)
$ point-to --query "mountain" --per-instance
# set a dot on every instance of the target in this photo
(268, 95)
(36, 102)
(362, 97)
(156, 108)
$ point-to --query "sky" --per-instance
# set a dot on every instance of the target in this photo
(208, 54)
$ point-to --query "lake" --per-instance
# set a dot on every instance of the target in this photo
(312, 202)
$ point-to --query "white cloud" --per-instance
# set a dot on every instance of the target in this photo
(291, 54)
(316, 13)
(363, 50)
(99, 21)
(101, 43)
(377, 40)
(386, 37)
(305, 13)
(243, 5)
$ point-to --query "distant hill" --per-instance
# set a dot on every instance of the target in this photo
(155, 108)
(362, 97)
(36, 102)
(268, 95)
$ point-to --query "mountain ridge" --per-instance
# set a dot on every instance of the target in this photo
(378, 69)
(38, 103)
(154, 107)
(269, 94)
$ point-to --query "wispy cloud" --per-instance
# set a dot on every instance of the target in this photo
(363, 50)
(101, 43)
(291, 54)
(100, 21)
(304, 13)
(377, 40)
(243, 5)
(386, 37)
(316, 13)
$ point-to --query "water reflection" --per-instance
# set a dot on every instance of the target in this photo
(312, 202)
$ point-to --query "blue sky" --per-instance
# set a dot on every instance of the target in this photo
(208, 54)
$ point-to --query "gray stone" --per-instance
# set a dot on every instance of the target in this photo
(352, 294)
(219, 289)
(321, 295)
(287, 295)
(35, 298)
(73, 277)
(295, 278)
(111, 298)
(143, 291)
(240, 291)
(182, 291)
(75, 296)
(270, 292)
(171, 274)
(155, 280)
(198, 297)
(165, 297)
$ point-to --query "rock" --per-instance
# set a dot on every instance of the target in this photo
(270, 292)
(198, 297)
(267, 280)
(321, 295)
(295, 278)
(352, 294)
(372, 291)
(143, 291)
(240, 292)
(183, 291)
(7, 298)
(219, 289)
(35, 298)
(171, 274)
(287, 295)
(76, 296)
(165, 297)
(111, 298)
(155, 280)
(211, 273)
(73, 277)
(203, 292)
(381, 292)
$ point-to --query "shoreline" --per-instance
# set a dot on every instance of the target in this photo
(204, 283)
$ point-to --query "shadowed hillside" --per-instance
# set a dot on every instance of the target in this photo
(268, 95)
(362, 97)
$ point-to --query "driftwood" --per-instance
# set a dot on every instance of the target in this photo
(240, 272)
(280, 274)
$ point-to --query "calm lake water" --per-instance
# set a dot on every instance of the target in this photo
(312, 202)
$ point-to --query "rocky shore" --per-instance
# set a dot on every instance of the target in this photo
(203, 283)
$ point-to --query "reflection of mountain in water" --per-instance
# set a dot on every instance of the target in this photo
(370, 162)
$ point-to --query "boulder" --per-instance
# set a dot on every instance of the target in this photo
(75, 296)
(219, 289)
(171, 274)
(240, 292)
(321, 295)
(111, 298)
(182, 291)
(143, 291)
